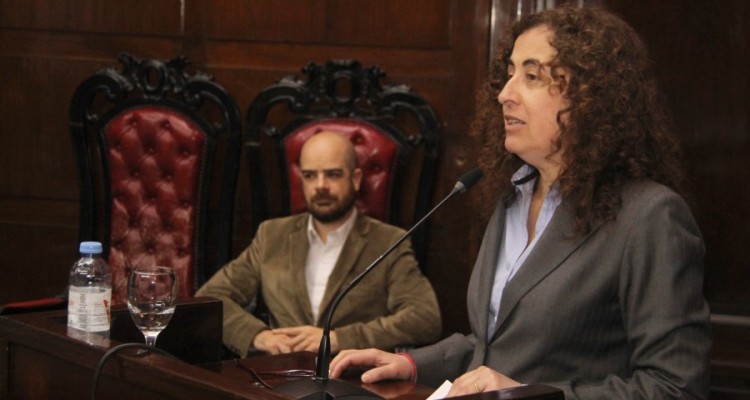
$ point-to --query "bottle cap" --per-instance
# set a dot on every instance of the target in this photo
(90, 248)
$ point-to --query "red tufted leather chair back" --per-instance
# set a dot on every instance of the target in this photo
(155, 159)
(376, 156)
(147, 141)
(394, 131)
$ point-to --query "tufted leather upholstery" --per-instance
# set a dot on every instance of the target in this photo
(376, 156)
(146, 140)
(394, 130)
(155, 155)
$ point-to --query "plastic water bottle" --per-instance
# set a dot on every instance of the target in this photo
(90, 290)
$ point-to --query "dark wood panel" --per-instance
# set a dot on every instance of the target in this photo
(456, 231)
(143, 17)
(4, 366)
(39, 212)
(700, 54)
(289, 58)
(730, 357)
(38, 243)
(84, 47)
(704, 75)
(386, 23)
(36, 260)
(719, 197)
(40, 152)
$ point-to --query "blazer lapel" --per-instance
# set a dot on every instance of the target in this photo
(298, 247)
(488, 265)
(555, 245)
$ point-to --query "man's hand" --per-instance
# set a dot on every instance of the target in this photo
(272, 342)
(307, 338)
(482, 379)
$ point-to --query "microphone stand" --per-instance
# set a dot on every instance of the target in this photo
(321, 386)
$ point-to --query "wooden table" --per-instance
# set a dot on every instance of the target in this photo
(40, 358)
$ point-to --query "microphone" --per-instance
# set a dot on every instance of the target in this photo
(321, 386)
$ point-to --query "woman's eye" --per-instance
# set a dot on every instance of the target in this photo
(530, 77)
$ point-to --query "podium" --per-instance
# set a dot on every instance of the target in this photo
(40, 358)
(389, 390)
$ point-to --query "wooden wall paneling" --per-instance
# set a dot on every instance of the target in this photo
(83, 47)
(705, 79)
(391, 23)
(4, 368)
(455, 231)
(386, 23)
(42, 143)
(38, 241)
(46, 49)
(730, 358)
(36, 260)
(704, 76)
(277, 21)
(136, 17)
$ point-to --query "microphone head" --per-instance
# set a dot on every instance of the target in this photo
(467, 180)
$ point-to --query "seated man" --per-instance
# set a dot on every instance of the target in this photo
(300, 262)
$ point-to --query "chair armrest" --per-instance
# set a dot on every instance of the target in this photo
(45, 304)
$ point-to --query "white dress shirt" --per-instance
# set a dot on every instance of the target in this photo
(321, 258)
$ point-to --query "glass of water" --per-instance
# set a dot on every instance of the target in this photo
(152, 292)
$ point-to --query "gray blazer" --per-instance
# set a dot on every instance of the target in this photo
(616, 314)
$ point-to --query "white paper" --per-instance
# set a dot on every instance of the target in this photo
(442, 391)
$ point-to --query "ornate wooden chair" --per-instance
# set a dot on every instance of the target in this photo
(394, 131)
(154, 143)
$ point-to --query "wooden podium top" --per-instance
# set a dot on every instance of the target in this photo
(40, 358)
(304, 362)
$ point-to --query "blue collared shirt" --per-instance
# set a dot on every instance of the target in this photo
(513, 249)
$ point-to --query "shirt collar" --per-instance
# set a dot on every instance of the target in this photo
(341, 233)
(524, 180)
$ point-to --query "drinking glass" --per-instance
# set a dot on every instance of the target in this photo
(152, 292)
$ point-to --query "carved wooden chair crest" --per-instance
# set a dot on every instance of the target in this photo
(394, 131)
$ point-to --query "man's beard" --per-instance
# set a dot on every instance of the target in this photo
(336, 212)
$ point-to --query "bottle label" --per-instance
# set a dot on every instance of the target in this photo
(88, 308)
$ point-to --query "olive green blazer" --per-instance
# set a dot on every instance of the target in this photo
(394, 305)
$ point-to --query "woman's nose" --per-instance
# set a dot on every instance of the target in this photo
(507, 93)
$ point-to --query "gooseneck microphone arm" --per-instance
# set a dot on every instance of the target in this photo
(324, 350)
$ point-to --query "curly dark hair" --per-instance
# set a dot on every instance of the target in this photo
(617, 127)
